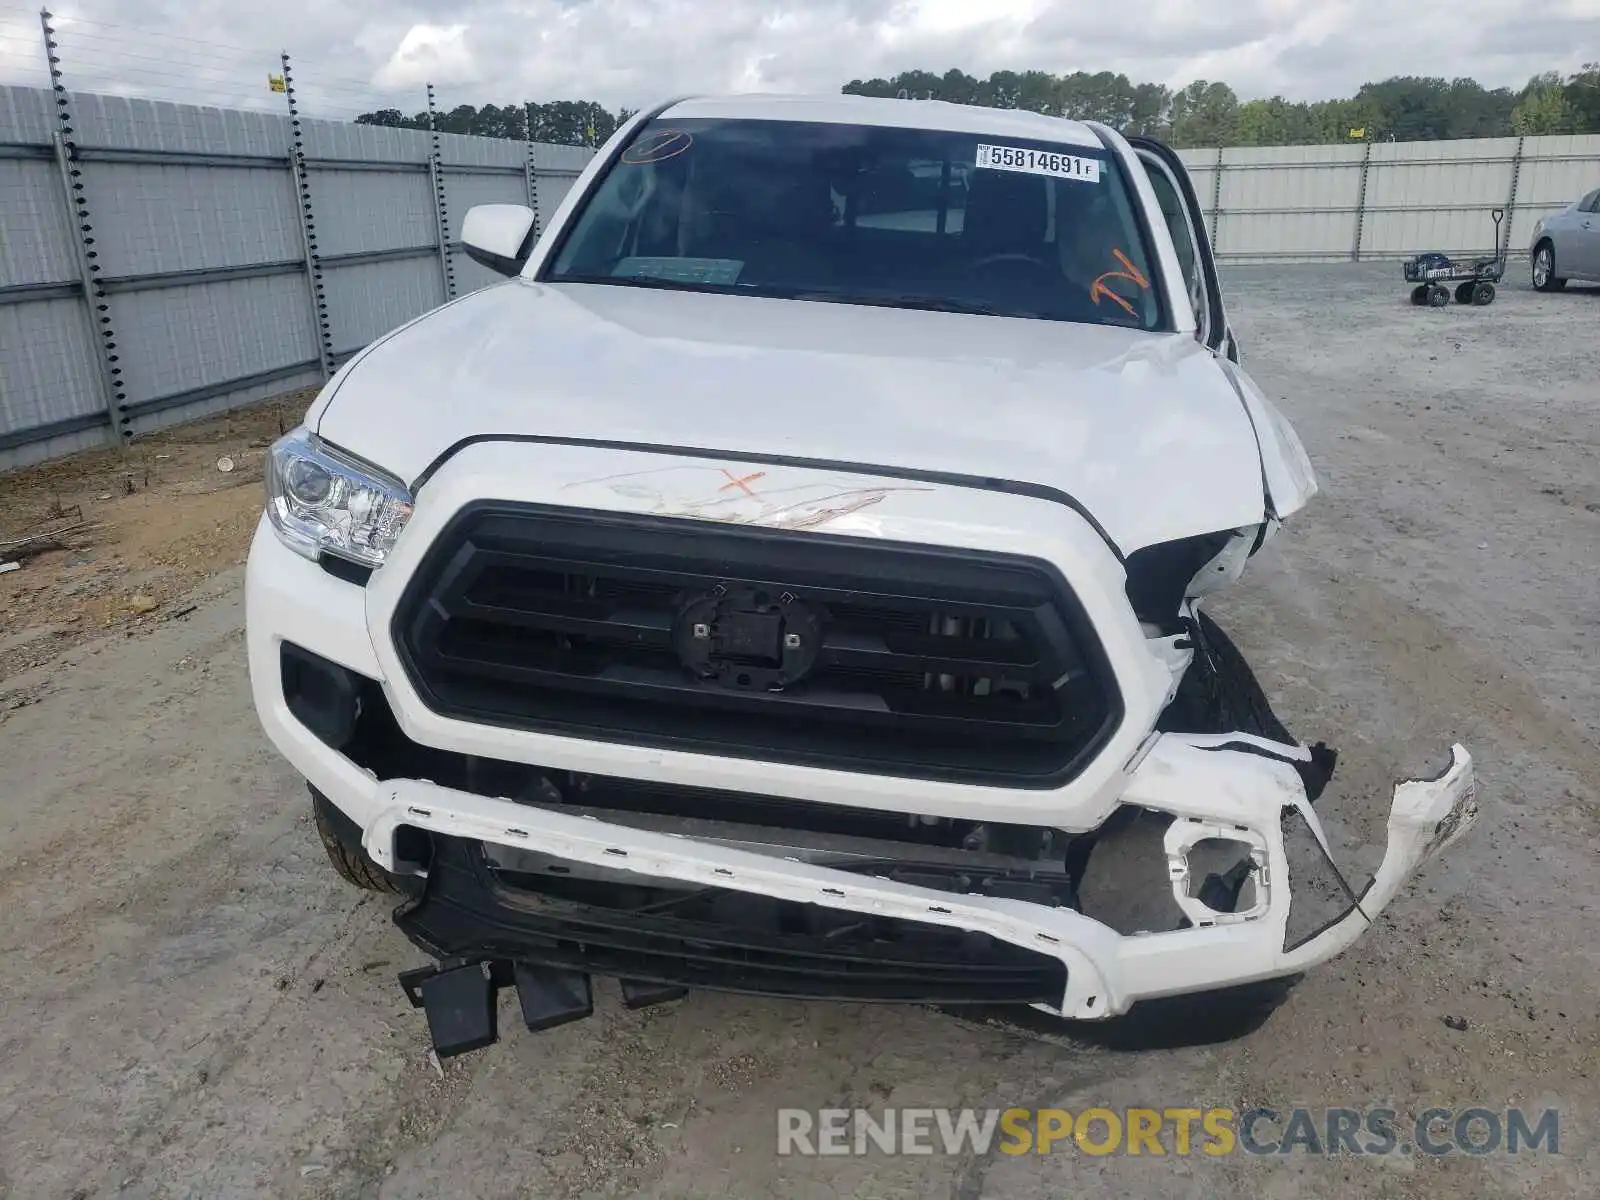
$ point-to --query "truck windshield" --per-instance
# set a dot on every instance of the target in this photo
(857, 214)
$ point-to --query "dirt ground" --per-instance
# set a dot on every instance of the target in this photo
(109, 540)
(195, 1007)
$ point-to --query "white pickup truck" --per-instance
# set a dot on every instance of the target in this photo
(786, 578)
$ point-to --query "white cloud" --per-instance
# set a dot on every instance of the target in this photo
(354, 54)
(428, 54)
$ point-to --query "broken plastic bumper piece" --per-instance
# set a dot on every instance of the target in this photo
(947, 947)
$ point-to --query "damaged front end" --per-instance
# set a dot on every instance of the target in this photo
(952, 750)
(1215, 872)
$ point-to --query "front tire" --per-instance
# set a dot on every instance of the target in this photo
(1544, 269)
(342, 841)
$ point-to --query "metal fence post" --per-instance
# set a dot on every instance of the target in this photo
(531, 170)
(1511, 200)
(441, 212)
(1361, 202)
(1216, 205)
(308, 228)
(113, 392)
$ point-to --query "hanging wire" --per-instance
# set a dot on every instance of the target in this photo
(139, 63)
(75, 22)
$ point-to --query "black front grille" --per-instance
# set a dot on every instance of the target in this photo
(791, 647)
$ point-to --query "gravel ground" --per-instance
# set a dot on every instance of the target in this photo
(195, 1006)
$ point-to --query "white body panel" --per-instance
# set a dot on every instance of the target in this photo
(1144, 430)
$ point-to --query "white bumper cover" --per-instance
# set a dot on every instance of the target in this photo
(1209, 785)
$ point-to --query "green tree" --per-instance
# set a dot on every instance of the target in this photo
(868, 87)
(1333, 120)
(1583, 95)
(1205, 114)
(1003, 89)
(564, 122)
(1543, 107)
(958, 87)
(1278, 122)
(1412, 108)
(1151, 113)
(1475, 111)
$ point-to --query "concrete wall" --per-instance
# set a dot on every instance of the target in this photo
(196, 229)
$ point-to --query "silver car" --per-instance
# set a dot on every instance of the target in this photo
(1566, 245)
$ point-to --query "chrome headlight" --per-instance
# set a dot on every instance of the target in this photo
(323, 501)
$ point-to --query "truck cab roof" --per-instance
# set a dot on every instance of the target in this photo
(898, 114)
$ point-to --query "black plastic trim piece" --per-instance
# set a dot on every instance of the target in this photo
(500, 264)
(1292, 943)
(465, 915)
(753, 724)
(1159, 576)
(343, 568)
(322, 695)
(1010, 487)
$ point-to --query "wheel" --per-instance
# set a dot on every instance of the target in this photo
(1438, 295)
(342, 840)
(1464, 292)
(1483, 294)
(1419, 295)
(1544, 269)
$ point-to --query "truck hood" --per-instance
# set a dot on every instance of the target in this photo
(1144, 430)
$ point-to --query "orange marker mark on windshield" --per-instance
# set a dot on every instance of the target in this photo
(1130, 272)
(743, 484)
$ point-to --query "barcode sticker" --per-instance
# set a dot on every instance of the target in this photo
(1038, 162)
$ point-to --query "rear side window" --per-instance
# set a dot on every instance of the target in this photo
(868, 215)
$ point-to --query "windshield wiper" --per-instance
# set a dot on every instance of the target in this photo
(923, 303)
(652, 281)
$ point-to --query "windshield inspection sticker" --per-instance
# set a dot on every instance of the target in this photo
(1038, 162)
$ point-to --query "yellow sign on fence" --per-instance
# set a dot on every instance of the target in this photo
(1359, 133)
(275, 83)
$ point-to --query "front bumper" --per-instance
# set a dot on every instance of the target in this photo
(1235, 788)
(1105, 972)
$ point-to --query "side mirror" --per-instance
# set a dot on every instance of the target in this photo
(499, 236)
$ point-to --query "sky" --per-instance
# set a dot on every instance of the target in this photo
(352, 55)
